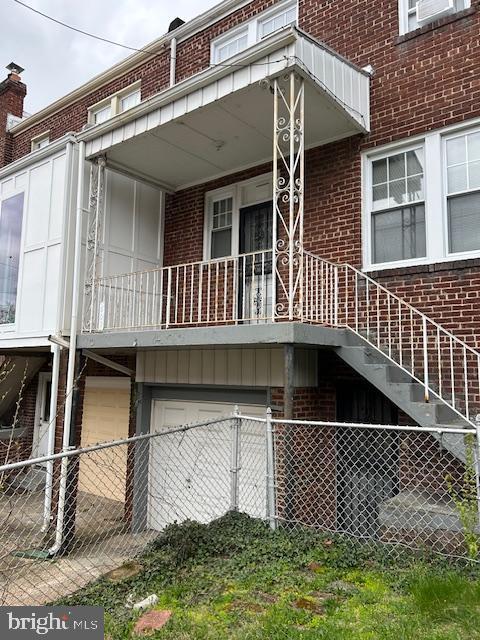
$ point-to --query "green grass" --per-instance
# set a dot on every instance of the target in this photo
(235, 579)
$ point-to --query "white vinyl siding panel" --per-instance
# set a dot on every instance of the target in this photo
(40, 264)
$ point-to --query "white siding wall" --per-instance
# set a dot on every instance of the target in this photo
(254, 367)
(133, 229)
(40, 269)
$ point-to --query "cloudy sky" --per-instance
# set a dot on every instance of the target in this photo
(57, 59)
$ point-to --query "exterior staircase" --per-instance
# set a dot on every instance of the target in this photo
(429, 373)
(407, 394)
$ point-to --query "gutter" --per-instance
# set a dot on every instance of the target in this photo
(149, 51)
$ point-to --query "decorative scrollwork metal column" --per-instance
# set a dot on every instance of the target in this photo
(94, 240)
(288, 196)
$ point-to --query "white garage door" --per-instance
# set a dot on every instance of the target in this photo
(190, 472)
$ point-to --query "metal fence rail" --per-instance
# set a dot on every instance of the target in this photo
(400, 486)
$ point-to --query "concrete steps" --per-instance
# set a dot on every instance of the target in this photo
(405, 392)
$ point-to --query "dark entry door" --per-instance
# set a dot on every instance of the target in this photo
(255, 269)
(367, 459)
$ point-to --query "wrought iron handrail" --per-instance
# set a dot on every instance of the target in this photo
(444, 364)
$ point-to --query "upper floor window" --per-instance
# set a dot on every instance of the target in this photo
(114, 104)
(285, 16)
(38, 142)
(422, 202)
(398, 209)
(11, 218)
(463, 192)
(226, 48)
(416, 13)
(240, 38)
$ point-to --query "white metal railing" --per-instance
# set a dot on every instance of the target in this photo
(241, 289)
(214, 292)
(342, 296)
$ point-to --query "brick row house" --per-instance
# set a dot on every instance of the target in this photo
(274, 204)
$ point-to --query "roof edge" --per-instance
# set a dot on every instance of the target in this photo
(188, 29)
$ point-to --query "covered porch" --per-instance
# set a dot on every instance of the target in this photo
(270, 103)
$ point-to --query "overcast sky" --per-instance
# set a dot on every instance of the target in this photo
(57, 59)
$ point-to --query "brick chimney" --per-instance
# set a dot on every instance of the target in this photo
(12, 94)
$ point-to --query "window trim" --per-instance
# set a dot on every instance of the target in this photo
(458, 255)
(435, 196)
(114, 101)
(403, 17)
(230, 191)
(45, 135)
(251, 28)
(368, 211)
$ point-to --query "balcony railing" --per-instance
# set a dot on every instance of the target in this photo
(244, 289)
(215, 292)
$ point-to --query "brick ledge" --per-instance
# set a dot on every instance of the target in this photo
(436, 24)
(437, 267)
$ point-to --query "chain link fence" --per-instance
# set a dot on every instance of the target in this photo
(398, 486)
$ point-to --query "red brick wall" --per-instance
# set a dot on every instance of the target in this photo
(193, 55)
(153, 75)
(12, 93)
(428, 81)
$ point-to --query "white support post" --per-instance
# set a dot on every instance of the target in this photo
(94, 243)
(235, 461)
(271, 507)
(288, 196)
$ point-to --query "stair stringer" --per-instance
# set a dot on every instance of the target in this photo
(403, 391)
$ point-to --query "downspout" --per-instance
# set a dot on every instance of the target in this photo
(173, 61)
(47, 506)
(56, 350)
(67, 424)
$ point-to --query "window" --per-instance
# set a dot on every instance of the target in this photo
(278, 20)
(11, 216)
(223, 207)
(421, 203)
(398, 210)
(41, 141)
(463, 192)
(263, 25)
(102, 114)
(130, 100)
(221, 240)
(230, 47)
(114, 104)
(408, 12)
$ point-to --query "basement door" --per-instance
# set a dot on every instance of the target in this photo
(255, 269)
(367, 460)
(189, 473)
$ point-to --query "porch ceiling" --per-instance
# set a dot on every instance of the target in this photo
(222, 120)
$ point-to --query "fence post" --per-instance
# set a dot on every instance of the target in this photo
(476, 462)
(271, 510)
(235, 462)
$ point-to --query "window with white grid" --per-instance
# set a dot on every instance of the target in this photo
(398, 207)
(246, 35)
(221, 231)
(463, 192)
(408, 12)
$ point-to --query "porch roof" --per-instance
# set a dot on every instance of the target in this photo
(221, 119)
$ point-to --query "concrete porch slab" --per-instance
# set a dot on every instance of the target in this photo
(239, 335)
